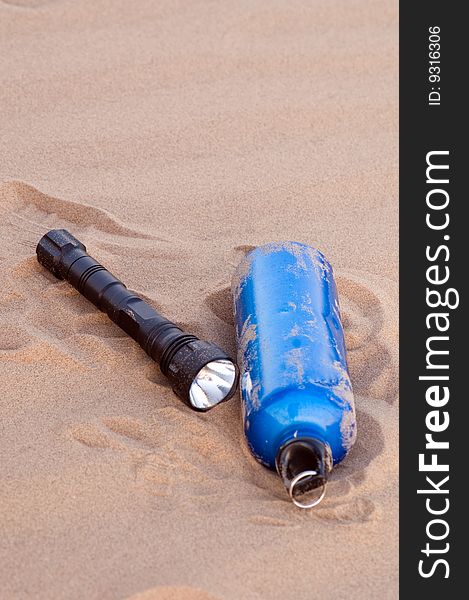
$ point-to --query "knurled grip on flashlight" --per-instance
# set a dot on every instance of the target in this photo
(179, 354)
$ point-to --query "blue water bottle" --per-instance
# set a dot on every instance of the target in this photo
(297, 399)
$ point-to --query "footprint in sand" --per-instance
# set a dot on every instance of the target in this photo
(371, 365)
(179, 455)
(190, 460)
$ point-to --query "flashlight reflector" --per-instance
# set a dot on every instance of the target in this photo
(212, 384)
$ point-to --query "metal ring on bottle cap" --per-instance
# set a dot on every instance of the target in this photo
(294, 482)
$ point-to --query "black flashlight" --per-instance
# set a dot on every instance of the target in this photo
(201, 374)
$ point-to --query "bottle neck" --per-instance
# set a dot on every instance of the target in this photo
(304, 465)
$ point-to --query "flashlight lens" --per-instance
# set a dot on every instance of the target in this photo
(212, 384)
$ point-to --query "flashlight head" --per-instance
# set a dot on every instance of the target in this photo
(202, 374)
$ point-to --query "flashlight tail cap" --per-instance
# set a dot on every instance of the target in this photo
(57, 250)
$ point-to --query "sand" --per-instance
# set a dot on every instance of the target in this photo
(172, 137)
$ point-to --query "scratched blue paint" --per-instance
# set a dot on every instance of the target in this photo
(291, 351)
